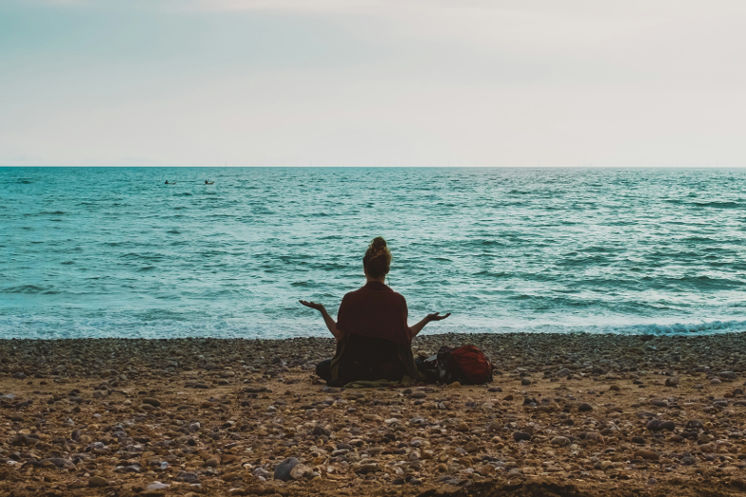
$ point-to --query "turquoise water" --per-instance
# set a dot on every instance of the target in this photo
(93, 252)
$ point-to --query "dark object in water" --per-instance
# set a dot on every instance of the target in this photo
(208, 182)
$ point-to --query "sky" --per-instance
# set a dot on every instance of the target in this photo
(374, 82)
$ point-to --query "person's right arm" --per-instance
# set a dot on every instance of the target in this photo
(328, 320)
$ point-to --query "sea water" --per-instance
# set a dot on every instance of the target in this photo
(116, 252)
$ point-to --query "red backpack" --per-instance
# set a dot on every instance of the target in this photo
(466, 364)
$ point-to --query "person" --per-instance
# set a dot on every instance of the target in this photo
(373, 339)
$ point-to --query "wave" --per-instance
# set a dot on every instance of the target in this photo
(161, 323)
(718, 204)
(30, 289)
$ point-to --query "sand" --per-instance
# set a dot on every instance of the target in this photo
(565, 416)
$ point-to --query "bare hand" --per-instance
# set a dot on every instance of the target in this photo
(436, 316)
(313, 305)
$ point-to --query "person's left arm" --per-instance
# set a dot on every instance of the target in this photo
(415, 329)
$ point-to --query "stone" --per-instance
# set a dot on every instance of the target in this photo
(98, 481)
(366, 468)
(521, 435)
(560, 441)
(151, 401)
(563, 372)
(585, 407)
(282, 470)
(659, 425)
(156, 488)
(672, 381)
(301, 471)
(261, 473)
(188, 477)
(727, 375)
(650, 455)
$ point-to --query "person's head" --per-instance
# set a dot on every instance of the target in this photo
(377, 259)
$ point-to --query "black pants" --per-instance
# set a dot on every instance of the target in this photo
(324, 370)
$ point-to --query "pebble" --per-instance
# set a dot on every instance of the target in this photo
(301, 471)
(366, 468)
(650, 455)
(188, 477)
(98, 481)
(151, 401)
(560, 441)
(156, 487)
(728, 375)
(658, 425)
(521, 435)
(282, 470)
(672, 381)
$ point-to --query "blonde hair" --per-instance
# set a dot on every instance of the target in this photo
(377, 259)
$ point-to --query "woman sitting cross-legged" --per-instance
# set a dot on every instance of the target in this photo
(374, 341)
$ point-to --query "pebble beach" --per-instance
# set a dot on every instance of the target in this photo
(566, 415)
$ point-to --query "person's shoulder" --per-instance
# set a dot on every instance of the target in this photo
(399, 297)
(353, 293)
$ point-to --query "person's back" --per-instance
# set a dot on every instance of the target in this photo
(373, 338)
(377, 341)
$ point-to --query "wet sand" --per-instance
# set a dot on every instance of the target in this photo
(565, 416)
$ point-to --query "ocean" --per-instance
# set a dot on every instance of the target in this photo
(116, 252)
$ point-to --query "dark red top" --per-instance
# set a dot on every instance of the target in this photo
(375, 311)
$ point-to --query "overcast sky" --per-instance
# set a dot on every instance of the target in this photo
(347, 82)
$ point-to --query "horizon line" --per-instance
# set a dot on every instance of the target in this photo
(413, 166)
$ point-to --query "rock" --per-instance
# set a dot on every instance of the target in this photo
(320, 431)
(658, 425)
(585, 407)
(261, 473)
(151, 401)
(188, 477)
(129, 468)
(672, 381)
(98, 481)
(195, 426)
(301, 471)
(212, 462)
(366, 468)
(156, 488)
(560, 441)
(525, 381)
(57, 462)
(282, 470)
(563, 372)
(727, 375)
(650, 455)
(521, 435)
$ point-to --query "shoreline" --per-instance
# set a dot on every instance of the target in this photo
(573, 415)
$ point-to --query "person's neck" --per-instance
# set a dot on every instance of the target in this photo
(370, 279)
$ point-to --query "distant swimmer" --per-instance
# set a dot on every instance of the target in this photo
(208, 182)
(171, 183)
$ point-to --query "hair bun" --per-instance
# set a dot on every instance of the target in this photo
(377, 258)
(378, 243)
